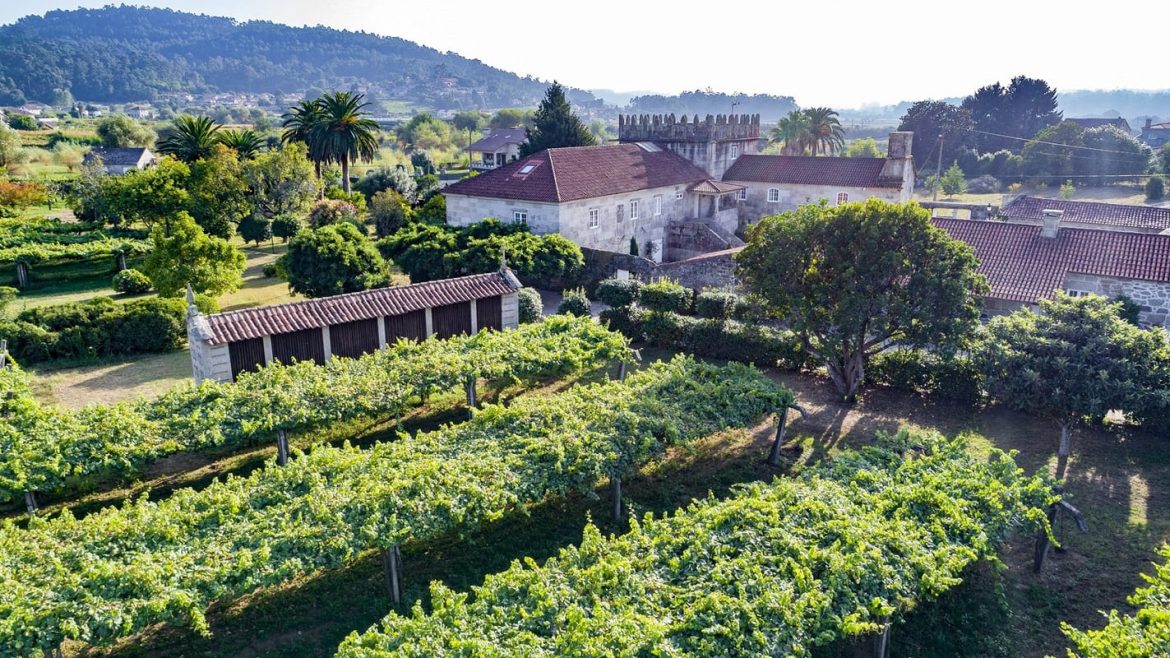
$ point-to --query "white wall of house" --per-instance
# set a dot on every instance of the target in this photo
(575, 220)
(491, 159)
(790, 197)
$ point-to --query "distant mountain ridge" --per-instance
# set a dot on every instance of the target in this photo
(124, 53)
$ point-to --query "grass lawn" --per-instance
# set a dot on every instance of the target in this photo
(1128, 194)
(1119, 479)
(111, 380)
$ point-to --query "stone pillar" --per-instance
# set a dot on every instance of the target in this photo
(381, 332)
(267, 350)
(474, 316)
(325, 338)
(430, 323)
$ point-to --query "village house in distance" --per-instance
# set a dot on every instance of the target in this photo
(672, 187)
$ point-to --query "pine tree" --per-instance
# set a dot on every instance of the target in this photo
(556, 125)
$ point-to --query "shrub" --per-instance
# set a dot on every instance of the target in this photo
(332, 260)
(131, 282)
(984, 185)
(332, 211)
(750, 308)
(618, 292)
(1130, 310)
(575, 303)
(28, 343)
(1155, 188)
(531, 306)
(270, 270)
(952, 378)
(256, 228)
(286, 226)
(715, 304)
(148, 325)
(624, 320)
(389, 212)
(665, 296)
(7, 294)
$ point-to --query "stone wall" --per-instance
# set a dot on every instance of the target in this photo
(686, 240)
(1151, 296)
(714, 270)
(464, 210)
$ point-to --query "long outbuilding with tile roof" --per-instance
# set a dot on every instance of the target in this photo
(225, 344)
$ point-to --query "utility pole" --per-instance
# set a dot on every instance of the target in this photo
(938, 172)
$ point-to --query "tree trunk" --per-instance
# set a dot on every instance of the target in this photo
(615, 485)
(30, 502)
(345, 175)
(1042, 542)
(847, 374)
(781, 427)
(622, 372)
(1062, 453)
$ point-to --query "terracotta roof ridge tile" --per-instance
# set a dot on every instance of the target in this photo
(553, 170)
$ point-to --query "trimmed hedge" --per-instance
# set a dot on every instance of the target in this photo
(575, 303)
(954, 378)
(618, 292)
(131, 282)
(99, 327)
(665, 296)
(717, 339)
(531, 306)
(715, 304)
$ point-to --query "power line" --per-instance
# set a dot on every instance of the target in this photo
(1035, 141)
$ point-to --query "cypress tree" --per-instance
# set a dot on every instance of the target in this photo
(555, 125)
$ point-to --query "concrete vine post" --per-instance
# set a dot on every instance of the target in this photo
(471, 394)
(615, 485)
(281, 447)
(392, 561)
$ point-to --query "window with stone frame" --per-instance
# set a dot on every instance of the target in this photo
(519, 216)
(633, 210)
(743, 194)
(1074, 293)
(657, 205)
(773, 195)
(594, 217)
(733, 151)
(842, 197)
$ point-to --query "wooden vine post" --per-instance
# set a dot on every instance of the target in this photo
(615, 487)
(471, 397)
(281, 447)
(781, 430)
(21, 274)
(392, 561)
(881, 643)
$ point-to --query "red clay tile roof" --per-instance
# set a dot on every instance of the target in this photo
(498, 139)
(1090, 212)
(314, 313)
(807, 170)
(583, 172)
(1022, 266)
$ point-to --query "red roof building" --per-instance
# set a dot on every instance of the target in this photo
(1026, 263)
(226, 344)
(1089, 214)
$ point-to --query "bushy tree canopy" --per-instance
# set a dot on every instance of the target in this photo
(855, 279)
(1020, 110)
(120, 131)
(555, 125)
(332, 260)
(930, 119)
(184, 255)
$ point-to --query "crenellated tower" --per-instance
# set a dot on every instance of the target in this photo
(712, 144)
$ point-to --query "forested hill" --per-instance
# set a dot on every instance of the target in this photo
(119, 54)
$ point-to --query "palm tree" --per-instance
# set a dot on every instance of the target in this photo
(792, 132)
(188, 138)
(344, 133)
(825, 133)
(246, 143)
(298, 123)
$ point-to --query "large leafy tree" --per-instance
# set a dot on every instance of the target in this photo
(1075, 359)
(555, 125)
(219, 192)
(1007, 116)
(859, 278)
(1116, 156)
(152, 196)
(184, 255)
(344, 132)
(282, 182)
(929, 120)
(120, 131)
(332, 260)
(189, 138)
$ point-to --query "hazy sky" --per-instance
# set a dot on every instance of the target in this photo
(822, 53)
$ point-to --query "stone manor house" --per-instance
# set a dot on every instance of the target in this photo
(674, 187)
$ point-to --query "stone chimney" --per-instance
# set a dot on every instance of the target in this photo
(899, 161)
(1051, 227)
(1149, 122)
